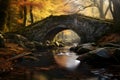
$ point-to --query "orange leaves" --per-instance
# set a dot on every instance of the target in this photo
(28, 3)
(110, 38)
(20, 21)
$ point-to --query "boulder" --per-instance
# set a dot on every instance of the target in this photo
(101, 57)
(83, 48)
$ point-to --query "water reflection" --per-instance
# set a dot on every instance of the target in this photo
(67, 60)
(40, 76)
(64, 58)
(58, 64)
(66, 67)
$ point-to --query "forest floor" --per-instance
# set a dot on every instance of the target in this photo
(9, 51)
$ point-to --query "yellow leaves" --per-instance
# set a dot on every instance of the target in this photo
(43, 8)
(51, 7)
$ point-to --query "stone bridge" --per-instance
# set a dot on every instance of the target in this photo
(88, 29)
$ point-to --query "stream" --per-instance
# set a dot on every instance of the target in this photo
(55, 64)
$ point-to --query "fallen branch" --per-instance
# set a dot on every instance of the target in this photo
(16, 57)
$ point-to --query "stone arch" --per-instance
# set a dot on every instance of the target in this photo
(50, 34)
(88, 29)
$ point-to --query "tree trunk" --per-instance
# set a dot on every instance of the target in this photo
(8, 22)
(101, 9)
(4, 4)
(31, 14)
(25, 14)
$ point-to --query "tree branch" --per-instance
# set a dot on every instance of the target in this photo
(106, 10)
(110, 4)
(84, 7)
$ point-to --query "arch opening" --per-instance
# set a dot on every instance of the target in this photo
(68, 37)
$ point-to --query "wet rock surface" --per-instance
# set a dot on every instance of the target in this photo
(100, 56)
(103, 58)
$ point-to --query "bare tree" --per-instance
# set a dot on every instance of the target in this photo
(79, 6)
(115, 10)
(100, 5)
